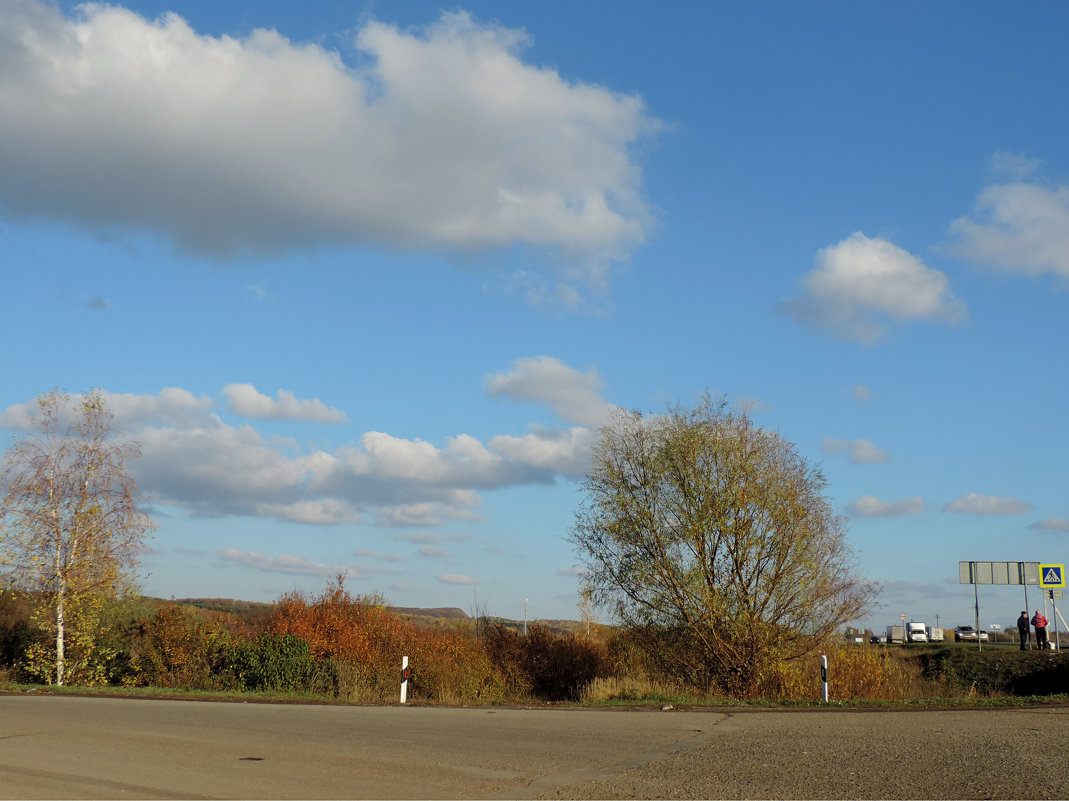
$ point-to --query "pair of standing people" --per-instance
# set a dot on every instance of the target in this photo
(1039, 623)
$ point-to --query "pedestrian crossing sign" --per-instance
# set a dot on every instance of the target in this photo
(1051, 575)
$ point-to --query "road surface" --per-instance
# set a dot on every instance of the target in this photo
(69, 747)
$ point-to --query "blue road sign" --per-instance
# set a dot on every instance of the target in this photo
(1052, 575)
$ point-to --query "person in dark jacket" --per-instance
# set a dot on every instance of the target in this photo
(1022, 630)
(1039, 623)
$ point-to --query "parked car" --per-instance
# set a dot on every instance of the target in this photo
(983, 636)
(963, 633)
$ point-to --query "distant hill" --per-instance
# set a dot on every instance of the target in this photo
(443, 612)
(442, 616)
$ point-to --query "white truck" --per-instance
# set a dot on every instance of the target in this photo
(896, 634)
(916, 632)
(934, 634)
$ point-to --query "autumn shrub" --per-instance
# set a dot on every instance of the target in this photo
(359, 634)
(451, 667)
(854, 672)
(181, 648)
(504, 647)
(549, 666)
(17, 632)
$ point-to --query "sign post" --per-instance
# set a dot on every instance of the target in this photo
(1051, 576)
(977, 573)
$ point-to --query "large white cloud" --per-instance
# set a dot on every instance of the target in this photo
(1018, 227)
(860, 283)
(195, 461)
(446, 139)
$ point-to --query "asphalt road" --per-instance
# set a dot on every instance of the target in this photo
(68, 747)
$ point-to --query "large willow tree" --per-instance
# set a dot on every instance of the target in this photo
(70, 525)
(713, 541)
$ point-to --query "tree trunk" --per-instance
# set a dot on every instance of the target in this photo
(61, 599)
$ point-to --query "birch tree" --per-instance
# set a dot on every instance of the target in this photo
(70, 524)
(713, 541)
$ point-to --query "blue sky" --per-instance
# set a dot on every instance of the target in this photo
(364, 279)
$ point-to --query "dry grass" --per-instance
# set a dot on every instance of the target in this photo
(631, 688)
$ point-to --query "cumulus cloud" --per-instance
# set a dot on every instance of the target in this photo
(860, 283)
(566, 452)
(444, 138)
(171, 405)
(870, 506)
(973, 504)
(860, 451)
(574, 395)
(1019, 228)
(196, 463)
(1052, 524)
(244, 399)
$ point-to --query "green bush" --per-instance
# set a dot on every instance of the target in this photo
(280, 663)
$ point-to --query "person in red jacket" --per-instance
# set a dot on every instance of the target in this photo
(1039, 623)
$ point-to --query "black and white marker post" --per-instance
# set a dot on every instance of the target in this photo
(404, 680)
(824, 678)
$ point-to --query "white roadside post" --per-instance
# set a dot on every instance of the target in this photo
(404, 680)
(824, 677)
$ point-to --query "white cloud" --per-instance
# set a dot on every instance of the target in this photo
(383, 557)
(870, 506)
(289, 565)
(171, 405)
(861, 392)
(1015, 166)
(194, 462)
(244, 399)
(1019, 228)
(318, 511)
(1052, 524)
(860, 451)
(574, 395)
(561, 451)
(973, 504)
(443, 138)
(860, 283)
(455, 578)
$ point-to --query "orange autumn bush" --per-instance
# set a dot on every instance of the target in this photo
(365, 642)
